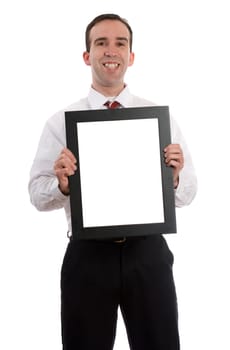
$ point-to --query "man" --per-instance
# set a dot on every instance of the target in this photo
(98, 276)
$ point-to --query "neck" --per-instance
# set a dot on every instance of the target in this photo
(108, 90)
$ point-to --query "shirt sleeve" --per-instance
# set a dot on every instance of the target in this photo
(43, 185)
(187, 187)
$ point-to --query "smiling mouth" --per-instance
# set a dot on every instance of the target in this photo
(111, 65)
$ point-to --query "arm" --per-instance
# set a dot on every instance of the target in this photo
(178, 156)
(48, 176)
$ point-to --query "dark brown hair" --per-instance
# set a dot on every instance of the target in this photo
(103, 17)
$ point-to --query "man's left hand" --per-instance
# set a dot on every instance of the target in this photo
(174, 157)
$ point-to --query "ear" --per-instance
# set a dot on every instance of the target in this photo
(86, 58)
(131, 58)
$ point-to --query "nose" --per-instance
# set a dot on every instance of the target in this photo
(110, 51)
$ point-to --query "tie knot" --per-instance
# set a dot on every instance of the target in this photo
(112, 105)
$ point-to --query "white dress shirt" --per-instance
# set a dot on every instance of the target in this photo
(43, 185)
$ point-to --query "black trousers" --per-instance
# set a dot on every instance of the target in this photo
(99, 276)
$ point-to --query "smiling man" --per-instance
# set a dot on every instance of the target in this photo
(98, 276)
(109, 55)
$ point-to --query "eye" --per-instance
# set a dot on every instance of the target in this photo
(100, 42)
(120, 43)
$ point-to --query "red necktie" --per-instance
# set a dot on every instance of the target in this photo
(112, 105)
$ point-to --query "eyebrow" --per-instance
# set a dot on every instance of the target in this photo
(104, 38)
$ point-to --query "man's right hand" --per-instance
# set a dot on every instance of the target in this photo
(64, 167)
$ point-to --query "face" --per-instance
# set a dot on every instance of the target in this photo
(109, 55)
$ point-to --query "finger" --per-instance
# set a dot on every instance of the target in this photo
(174, 163)
(65, 163)
(67, 153)
(176, 156)
(64, 172)
(173, 152)
(172, 149)
(172, 146)
(65, 160)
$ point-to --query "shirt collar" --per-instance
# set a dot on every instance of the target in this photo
(96, 100)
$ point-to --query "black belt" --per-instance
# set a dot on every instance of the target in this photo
(117, 240)
(121, 240)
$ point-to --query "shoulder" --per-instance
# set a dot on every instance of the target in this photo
(80, 105)
(138, 101)
(59, 116)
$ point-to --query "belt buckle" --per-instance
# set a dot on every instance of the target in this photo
(122, 240)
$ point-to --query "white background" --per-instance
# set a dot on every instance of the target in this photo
(182, 60)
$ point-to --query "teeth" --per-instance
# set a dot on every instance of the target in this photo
(111, 65)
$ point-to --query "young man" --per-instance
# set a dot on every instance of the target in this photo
(98, 276)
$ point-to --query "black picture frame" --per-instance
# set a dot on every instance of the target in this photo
(85, 130)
